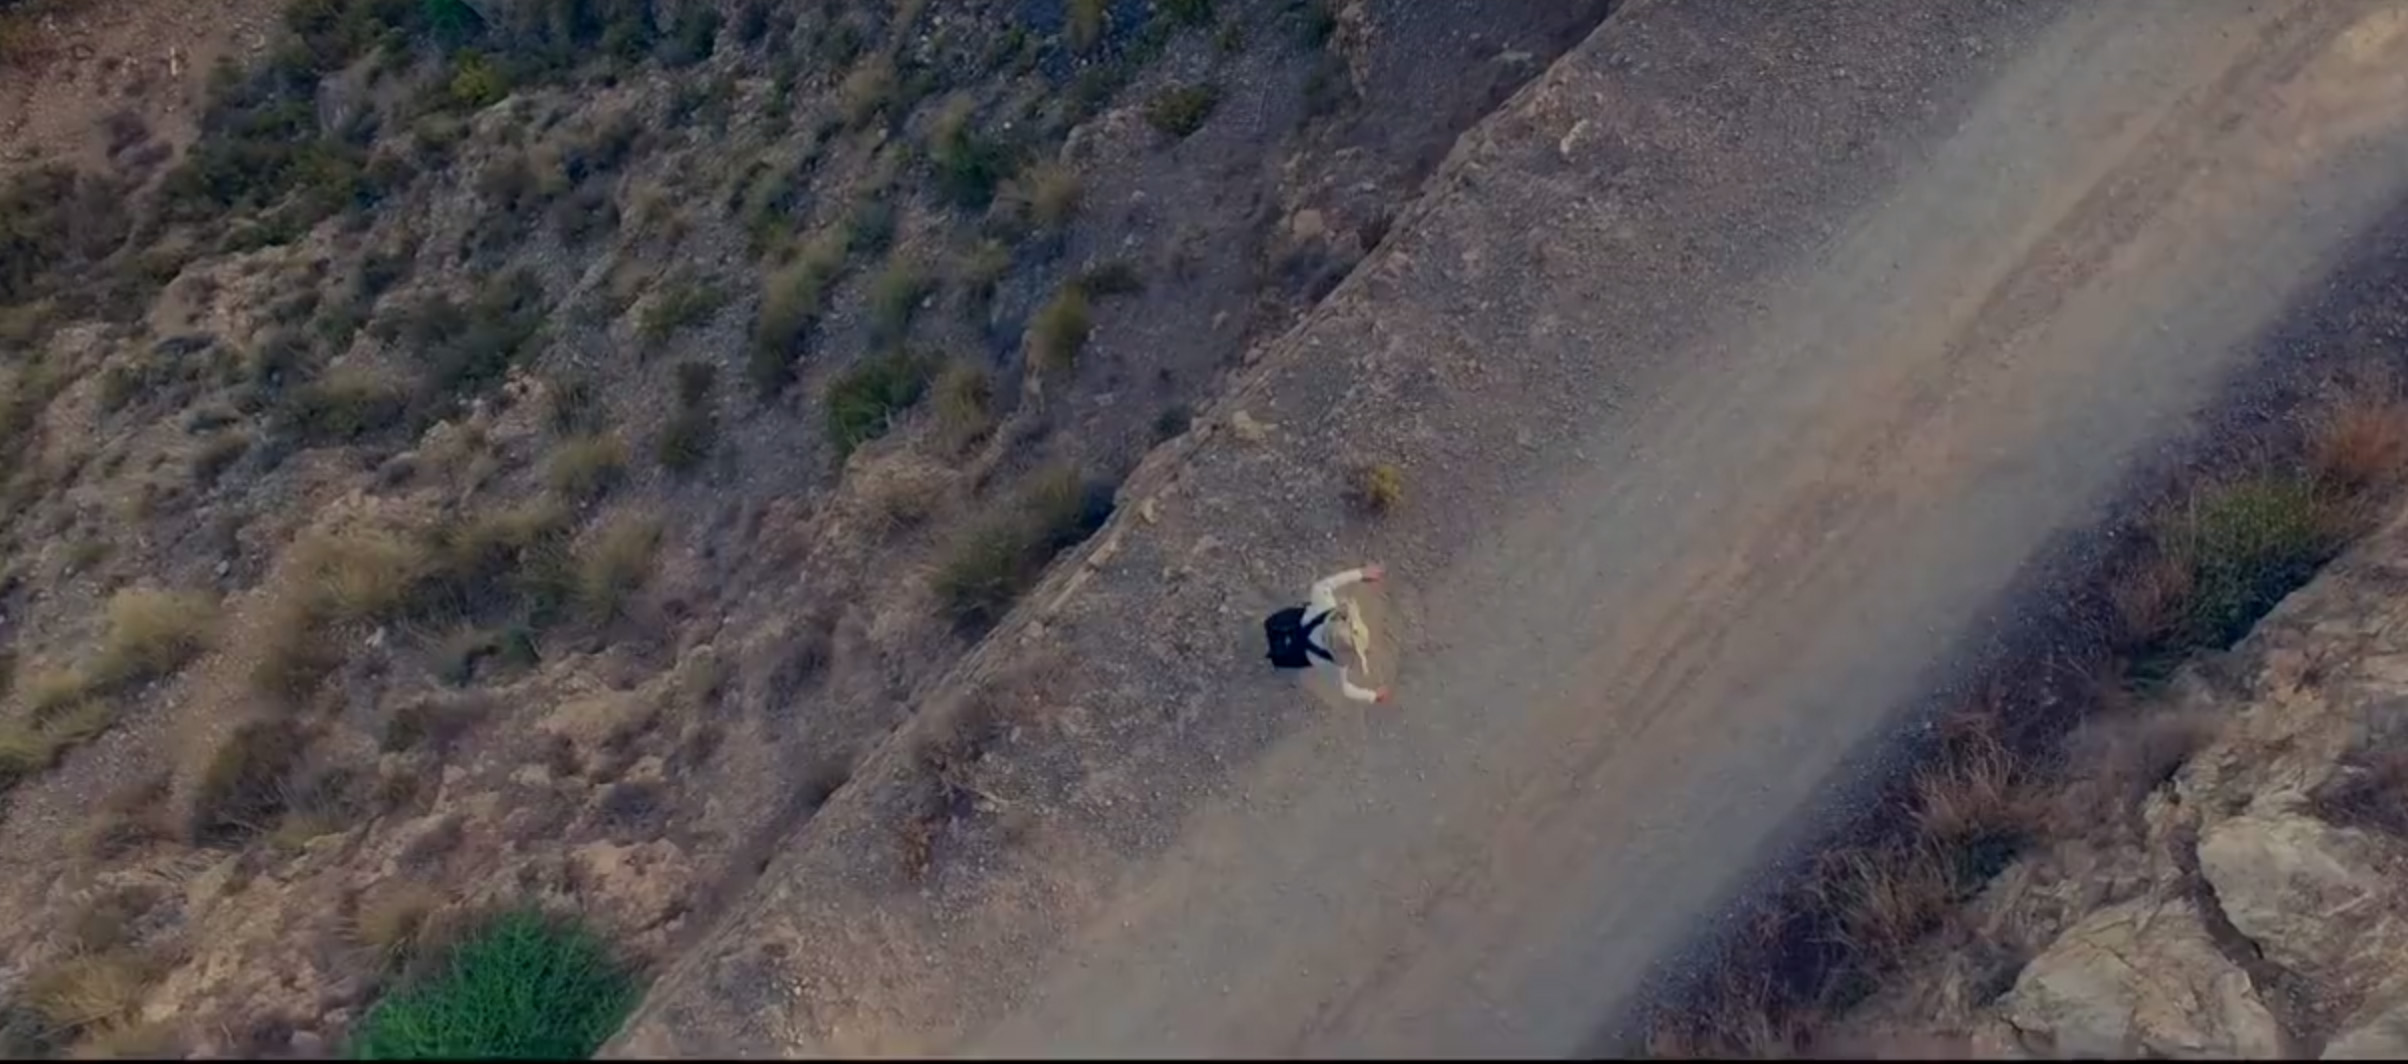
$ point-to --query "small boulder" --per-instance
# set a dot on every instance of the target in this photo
(2140, 977)
(2300, 888)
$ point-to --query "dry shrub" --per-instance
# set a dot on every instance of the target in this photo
(1976, 798)
(151, 633)
(1376, 488)
(363, 575)
(243, 787)
(583, 468)
(965, 394)
(1048, 194)
(1060, 329)
(49, 690)
(398, 923)
(1881, 899)
(2122, 757)
(129, 818)
(132, 1040)
(86, 992)
(615, 561)
(2360, 443)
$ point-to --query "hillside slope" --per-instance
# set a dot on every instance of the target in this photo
(1734, 371)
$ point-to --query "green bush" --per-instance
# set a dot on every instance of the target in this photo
(2246, 545)
(1060, 329)
(791, 301)
(682, 303)
(1182, 111)
(864, 400)
(343, 406)
(997, 562)
(524, 987)
(895, 296)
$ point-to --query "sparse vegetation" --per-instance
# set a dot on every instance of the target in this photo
(2207, 566)
(991, 567)
(524, 986)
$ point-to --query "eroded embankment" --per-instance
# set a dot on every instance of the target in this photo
(1945, 891)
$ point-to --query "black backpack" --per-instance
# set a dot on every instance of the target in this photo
(1291, 639)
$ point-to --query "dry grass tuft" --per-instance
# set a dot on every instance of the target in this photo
(2360, 444)
(243, 787)
(965, 395)
(615, 562)
(1376, 488)
(86, 992)
(584, 468)
(398, 923)
(1060, 329)
(150, 634)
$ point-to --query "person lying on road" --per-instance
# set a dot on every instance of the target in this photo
(1293, 632)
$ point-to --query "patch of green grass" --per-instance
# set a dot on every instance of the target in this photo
(524, 987)
(1182, 110)
(1060, 329)
(2239, 548)
(476, 83)
(864, 400)
(968, 166)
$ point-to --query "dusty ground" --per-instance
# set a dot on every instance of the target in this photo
(1813, 326)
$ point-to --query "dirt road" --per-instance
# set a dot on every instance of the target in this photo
(1736, 368)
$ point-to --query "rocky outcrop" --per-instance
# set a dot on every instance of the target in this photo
(2141, 976)
(2253, 906)
(2306, 893)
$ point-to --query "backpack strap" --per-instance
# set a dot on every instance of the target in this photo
(1310, 647)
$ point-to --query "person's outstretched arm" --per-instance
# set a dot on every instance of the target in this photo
(1325, 590)
(1346, 684)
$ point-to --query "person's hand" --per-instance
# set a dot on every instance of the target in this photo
(1381, 696)
(1373, 572)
